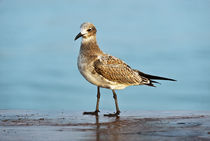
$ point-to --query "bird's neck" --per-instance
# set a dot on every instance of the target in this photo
(89, 46)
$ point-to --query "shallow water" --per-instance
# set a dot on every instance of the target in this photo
(38, 55)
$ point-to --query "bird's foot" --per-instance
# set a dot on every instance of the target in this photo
(113, 115)
(91, 113)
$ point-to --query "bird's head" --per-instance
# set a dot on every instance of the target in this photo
(87, 30)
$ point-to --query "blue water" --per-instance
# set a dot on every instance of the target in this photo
(38, 55)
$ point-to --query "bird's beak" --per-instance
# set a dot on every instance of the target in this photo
(78, 36)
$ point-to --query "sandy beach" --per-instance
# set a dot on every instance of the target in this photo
(21, 125)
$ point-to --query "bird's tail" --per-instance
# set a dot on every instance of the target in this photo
(151, 77)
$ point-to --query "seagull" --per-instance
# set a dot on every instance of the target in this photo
(106, 71)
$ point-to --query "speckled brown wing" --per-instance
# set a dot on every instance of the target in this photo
(116, 70)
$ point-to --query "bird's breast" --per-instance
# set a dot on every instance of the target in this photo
(87, 70)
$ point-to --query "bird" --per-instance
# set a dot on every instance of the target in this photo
(107, 71)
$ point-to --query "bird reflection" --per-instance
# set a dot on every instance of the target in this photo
(107, 130)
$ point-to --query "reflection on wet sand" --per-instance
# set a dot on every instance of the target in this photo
(109, 130)
(177, 127)
(65, 126)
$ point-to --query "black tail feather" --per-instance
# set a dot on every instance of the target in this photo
(154, 77)
(151, 83)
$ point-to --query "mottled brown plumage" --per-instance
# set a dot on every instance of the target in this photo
(114, 69)
(107, 71)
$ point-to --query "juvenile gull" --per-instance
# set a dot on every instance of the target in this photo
(106, 71)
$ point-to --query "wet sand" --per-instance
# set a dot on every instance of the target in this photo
(21, 125)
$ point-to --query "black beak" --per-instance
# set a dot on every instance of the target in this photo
(78, 36)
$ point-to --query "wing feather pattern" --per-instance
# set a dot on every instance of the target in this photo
(116, 70)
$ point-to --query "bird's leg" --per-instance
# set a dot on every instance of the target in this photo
(116, 114)
(97, 104)
(98, 98)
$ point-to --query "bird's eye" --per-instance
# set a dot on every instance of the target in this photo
(89, 29)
